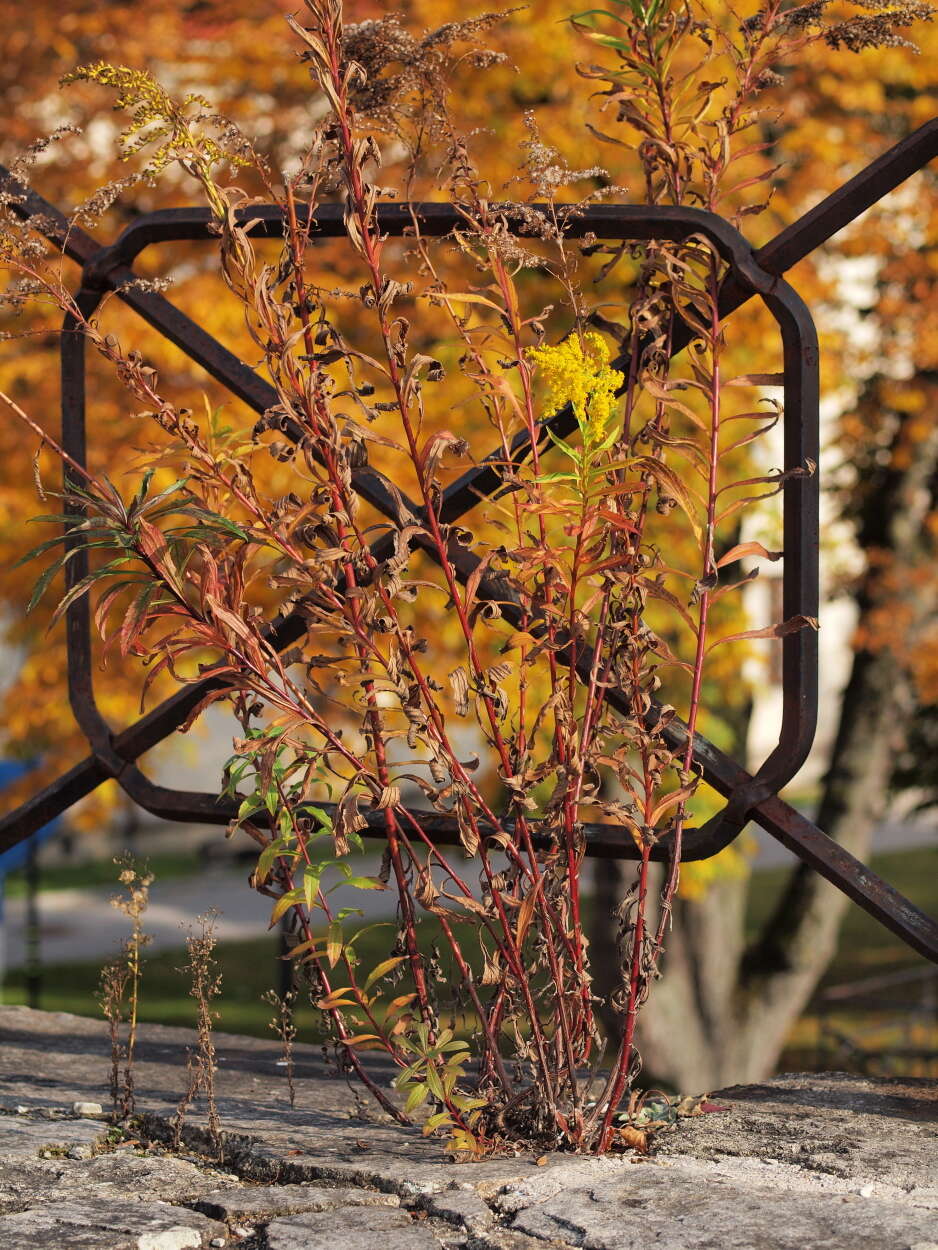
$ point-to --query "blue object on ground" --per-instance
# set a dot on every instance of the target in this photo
(16, 856)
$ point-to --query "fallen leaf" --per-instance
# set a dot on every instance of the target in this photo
(634, 1138)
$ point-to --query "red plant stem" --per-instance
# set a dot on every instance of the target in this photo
(567, 1033)
(373, 715)
(371, 253)
(393, 831)
(709, 567)
(339, 1023)
(569, 810)
(493, 1054)
(327, 912)
(300, 913)
(636, 979)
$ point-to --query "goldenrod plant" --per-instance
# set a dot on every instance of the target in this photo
(443, 670)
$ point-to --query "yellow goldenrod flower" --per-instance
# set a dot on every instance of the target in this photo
(577, 372)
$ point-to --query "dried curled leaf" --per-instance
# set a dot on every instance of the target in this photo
(781, 630)
(459, 683)
(633, 1138)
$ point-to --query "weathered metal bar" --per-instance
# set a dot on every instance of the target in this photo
(783, 822)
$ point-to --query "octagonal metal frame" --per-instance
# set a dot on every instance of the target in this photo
(800, 493)
(755, 797)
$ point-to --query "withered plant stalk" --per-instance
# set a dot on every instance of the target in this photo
(563, 633)
(204, 979)
(284, 1025)
(112, 986)
(120, 980)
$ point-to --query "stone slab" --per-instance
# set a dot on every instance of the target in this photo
(682, 1204)
(250, 1204)
(461, 1205)
(97, 1224)
(120, 1176)
(872, 1131)
(358, 1229)
(23, 1137)
(827, 1162)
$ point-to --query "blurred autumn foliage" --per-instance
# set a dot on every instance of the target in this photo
(252, 74)
(248, 66)
(873, 291)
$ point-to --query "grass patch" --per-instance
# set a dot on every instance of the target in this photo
(865, 948)
(884, 1033)
(250, 968)
(103, 872)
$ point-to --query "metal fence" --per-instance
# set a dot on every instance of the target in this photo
(750, 274)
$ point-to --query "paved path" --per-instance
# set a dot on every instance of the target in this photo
(801, 1161)
(78, 925)
(81, 925)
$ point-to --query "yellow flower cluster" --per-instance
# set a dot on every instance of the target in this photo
(172, 130)
(577, 372)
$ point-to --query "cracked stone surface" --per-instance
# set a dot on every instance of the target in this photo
(117, 1176)
(247, 1204)
(671, 1204)
(99, 1224)
(817, 1162)
(359, 1230)
(829, 1123)
(30, 1139)
(463, 1206)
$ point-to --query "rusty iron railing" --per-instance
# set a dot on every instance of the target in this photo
(750, 796)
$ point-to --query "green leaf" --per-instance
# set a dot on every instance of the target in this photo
(58, 518)
(138, 510)
(575, 17)
(440, 1120)
(382, 968)
(403, 1079)
(565, 447)
(247, 807)
(42, 584)
(334, 943)
(143, 488)
(416, 1098)
(311, 886)
(267, 856)
(37, 551)
(283, 905)
(360, 933)
(436, 1085)
(463, 1102)
(82, 587)
(224, 523)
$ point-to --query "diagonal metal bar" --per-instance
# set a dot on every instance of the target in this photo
(780, 254)
(793, 830)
